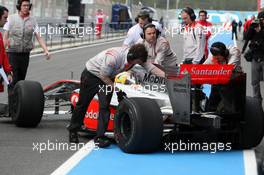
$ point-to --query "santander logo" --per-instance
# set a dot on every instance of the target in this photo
(211, 74)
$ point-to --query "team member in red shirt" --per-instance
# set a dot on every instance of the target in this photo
(4, 63)
(247, 25)
(99, 23)
(207, 25)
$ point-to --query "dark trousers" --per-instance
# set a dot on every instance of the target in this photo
(19, 63)
(91, 85)
(234, 32)
(257, 75)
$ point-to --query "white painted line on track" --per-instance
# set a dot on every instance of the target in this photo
(79, 47)
(53, 112)
(250, 162)
(67, 166)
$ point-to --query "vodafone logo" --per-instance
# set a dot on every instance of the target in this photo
(94, 115)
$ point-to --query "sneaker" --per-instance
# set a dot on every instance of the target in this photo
(102, 142)
(73, 137)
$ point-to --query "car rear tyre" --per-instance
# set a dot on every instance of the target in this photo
(252, 129)
(27, 104)
(138, 125)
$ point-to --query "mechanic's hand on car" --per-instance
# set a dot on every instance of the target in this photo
(120, 95)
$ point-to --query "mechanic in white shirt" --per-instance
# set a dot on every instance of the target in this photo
(159, 51)
(97, 78)
(194, 38)
(133, 34)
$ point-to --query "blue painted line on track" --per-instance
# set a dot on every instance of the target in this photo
(114, 161)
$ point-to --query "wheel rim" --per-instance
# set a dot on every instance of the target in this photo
(125, 123)
(15, 104)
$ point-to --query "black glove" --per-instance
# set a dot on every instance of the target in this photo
(121, 95)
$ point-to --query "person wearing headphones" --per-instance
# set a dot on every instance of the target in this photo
(98, 78)
(18, 38)
(133, 34)
(222, 55)
(194, 38)
(193, 47)
(159, 51)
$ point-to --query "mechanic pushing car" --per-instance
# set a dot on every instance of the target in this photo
(158, 47)
(222, 55)
(97, 78)
(220, 94)
(133, 34)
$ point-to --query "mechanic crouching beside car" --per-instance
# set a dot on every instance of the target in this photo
(220, 94)
(219, 54)
(97, 78)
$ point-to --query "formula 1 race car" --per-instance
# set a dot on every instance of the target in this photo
(158, 110)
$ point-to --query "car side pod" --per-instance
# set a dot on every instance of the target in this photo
(138, 125)
(27, 103)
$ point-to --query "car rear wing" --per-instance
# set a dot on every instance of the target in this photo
(179, 84)
(201, 73)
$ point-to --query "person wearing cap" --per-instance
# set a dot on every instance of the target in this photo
(133, 34)
(255, 54)
(194, 39)
(97, 78)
